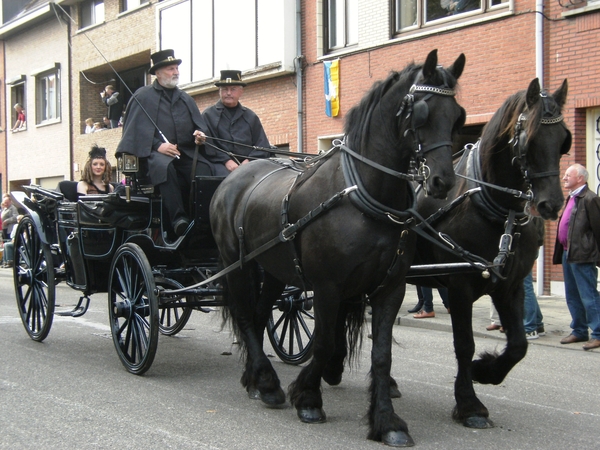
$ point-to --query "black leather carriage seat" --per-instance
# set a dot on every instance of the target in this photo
(68, 189)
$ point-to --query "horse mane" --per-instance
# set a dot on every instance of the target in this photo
(501, 128)
(358, 117)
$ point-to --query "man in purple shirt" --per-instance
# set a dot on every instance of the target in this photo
(577, 249)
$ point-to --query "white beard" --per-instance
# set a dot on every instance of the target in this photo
(172, 83)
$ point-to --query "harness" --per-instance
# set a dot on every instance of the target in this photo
(355, 189)
(479, 192)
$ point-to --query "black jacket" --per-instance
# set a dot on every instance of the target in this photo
(244, 128)
(584, 230)
(142, 138)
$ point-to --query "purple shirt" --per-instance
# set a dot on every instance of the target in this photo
(563, 226)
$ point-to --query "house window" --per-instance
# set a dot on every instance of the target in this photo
(17, 95)
(127, 5)
(342, 23)
(47, 91)
(208, 37)
(92, 13)
(410, 14)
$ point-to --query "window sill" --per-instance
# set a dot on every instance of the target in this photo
(48, 123)
(586, 9)
(260, 73)
(431, 30)
(133, 10)
(89, 27)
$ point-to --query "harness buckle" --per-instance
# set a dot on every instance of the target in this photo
(505, 243)
(288, 233)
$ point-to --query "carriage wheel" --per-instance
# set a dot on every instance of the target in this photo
(291, 325)
(173, 314)
(133, 308)
(33, 273)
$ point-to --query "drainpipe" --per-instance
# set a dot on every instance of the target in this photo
(539, 73)
(299, 68)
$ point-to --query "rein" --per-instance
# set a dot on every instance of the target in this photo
(480, 196)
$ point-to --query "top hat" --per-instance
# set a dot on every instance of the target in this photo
(162, 59)
(230, 78)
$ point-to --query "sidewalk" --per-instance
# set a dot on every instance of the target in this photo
(554, 309)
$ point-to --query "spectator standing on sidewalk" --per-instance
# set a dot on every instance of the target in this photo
(533, 320)
(577, 249)
(425, 304)
(9, 217)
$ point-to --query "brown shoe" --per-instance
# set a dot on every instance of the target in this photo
(594, 343)
(493, 327)
(424, 315)
(571, 339)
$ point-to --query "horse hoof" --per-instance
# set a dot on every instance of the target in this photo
(273, 399)
(395, 392)
(312, 415)
(253, 394)
(478, 422)
(397, 439)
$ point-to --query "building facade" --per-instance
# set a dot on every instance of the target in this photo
(281, 47)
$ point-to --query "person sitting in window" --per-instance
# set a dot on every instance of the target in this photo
(95, 176)
(89, 125)
(98, 126)
(20, 123)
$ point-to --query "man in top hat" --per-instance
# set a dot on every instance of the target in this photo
(164, 125)
(228, 119)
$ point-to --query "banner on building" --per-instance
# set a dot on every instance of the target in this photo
(332, 87)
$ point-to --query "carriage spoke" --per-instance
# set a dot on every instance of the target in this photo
(133, 308)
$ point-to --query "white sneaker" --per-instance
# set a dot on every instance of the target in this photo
(532, 335)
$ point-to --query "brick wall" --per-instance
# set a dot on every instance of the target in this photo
(126, 41)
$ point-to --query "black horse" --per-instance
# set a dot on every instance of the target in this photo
(342, 231)
(518, 159)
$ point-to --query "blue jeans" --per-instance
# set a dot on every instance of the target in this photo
(583, 299)
(533, 318)
(426, 293)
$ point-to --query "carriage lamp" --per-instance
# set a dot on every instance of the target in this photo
(127, 163)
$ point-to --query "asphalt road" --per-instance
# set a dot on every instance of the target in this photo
(71, 392)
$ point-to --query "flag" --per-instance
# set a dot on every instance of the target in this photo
(332, 87)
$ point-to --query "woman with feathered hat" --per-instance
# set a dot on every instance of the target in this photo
(95, 176)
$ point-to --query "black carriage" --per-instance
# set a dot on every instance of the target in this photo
(119, 244)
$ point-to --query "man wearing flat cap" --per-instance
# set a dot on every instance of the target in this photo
(164, 124)
(238, 126)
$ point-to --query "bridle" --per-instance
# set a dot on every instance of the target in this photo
(418, 112)
(520, 144)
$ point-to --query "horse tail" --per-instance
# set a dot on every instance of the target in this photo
(241, 289)
(355, 320)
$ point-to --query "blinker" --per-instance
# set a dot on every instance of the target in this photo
(419, 114)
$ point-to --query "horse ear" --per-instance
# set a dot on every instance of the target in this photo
(457, 68)
(430, 65)
(560, 96)
(533, 92)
